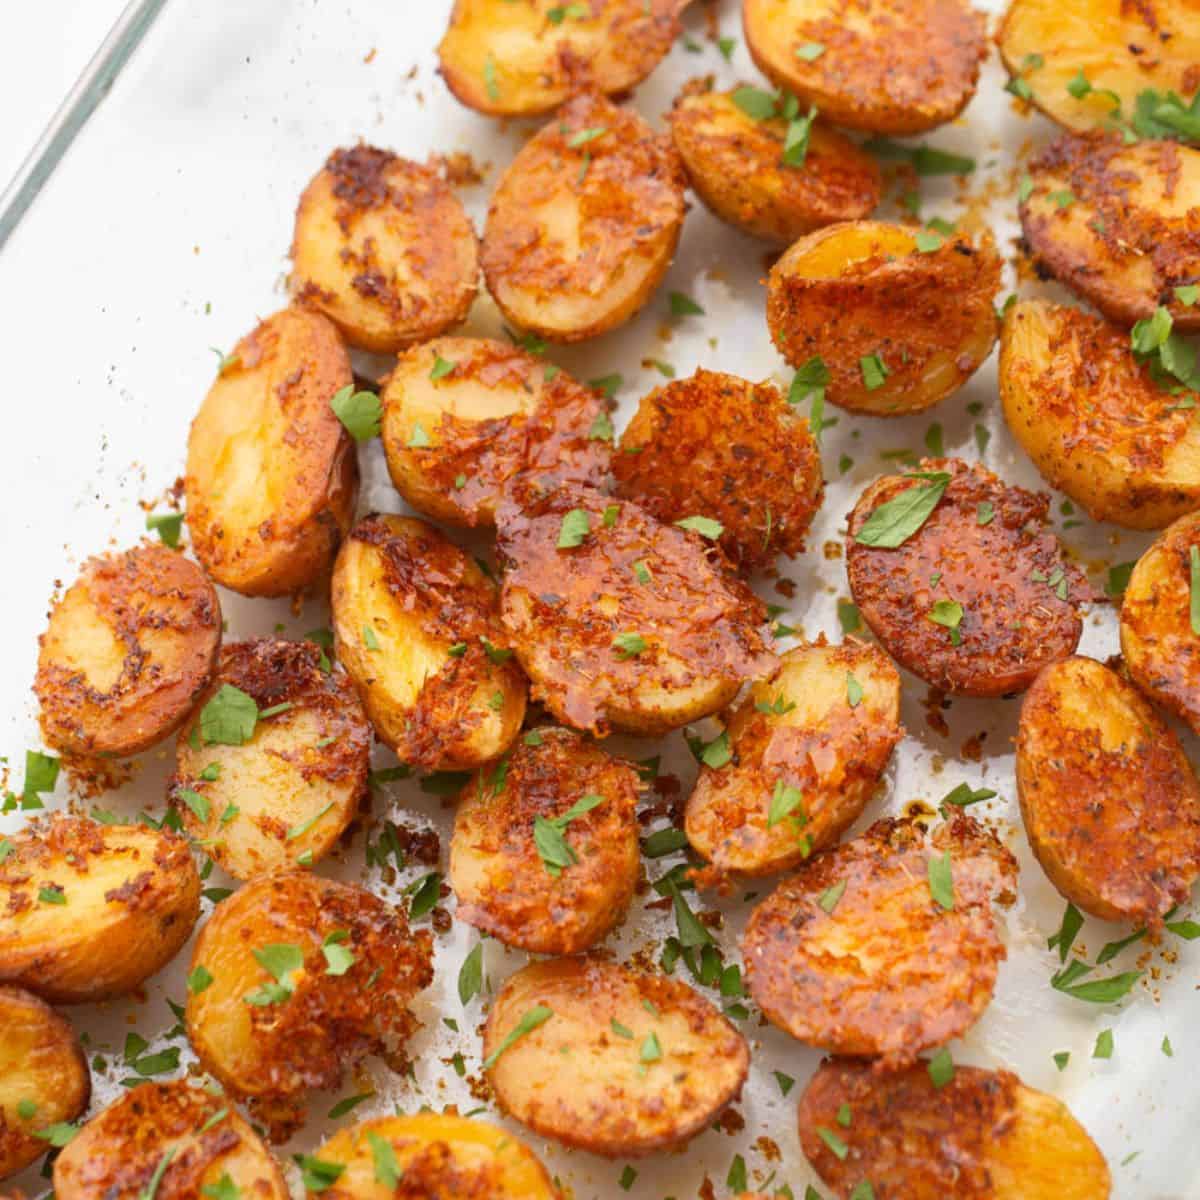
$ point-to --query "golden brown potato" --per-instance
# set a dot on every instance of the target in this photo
(417, 627)
(464, 417)
(304, 978)
(984, 1133)
(129, 646)
(384, 248)
(979, 597)
(808, 750)
(272, 476)
(286, 793)
(890, 66)
(735, 165)
(195, 1139)
(1095, 423)
(885, 945)
(620, 621)
(584, 222)
(898, 328)
(44, 1077)
(718, 446)
(608, 1059)
(92, 910)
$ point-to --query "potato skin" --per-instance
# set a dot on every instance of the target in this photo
(272, 476)
(719, 446)
(128, 648)
(132, 897)
(575, 1079)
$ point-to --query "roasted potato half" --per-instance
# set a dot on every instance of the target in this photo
(885, 945)
(889, 66)
(272, 476)
(130, 645)
(621, 621)
(286, 794)
(417, 627)
(93, 910)
(44, 1077)
(384, 248)
(584, 222)
(718, 446)
(464, 417)
(975, 598)
(984, 1133)
(608, 1059)
(809, 748)
(898, 327)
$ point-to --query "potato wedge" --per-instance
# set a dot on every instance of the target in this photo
(977, 598)
(93, 910)
(898, 328)
(982, 1134)
(417, 627)
(129, 646)
(286, 794)
(622, 1063)
(384, 248)
(888, 66)
(718, 446)
(272, 476)
(1109, 800)
(44, 1077)
(858, 954)
(308, 977)
(620, 621)
(808, 750)
(584, 222)
(456, 435)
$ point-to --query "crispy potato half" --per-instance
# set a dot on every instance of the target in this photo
(129, 646)
(384, 248)
(417, 627)
(608, 1059)
(898, 327)
(286, 794)
(809, 748)
(584, 222)
(718, 446)
(621, 621)
(188, 1140)
(984, 1133)
(93, 910)
(975, 598)
(44, 1077)
(465, 417)
(272, 476)
(888, 66)
(887, 944)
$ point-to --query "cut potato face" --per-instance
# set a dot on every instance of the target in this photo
(286, 794)
(808, 750)
(898, 328)
(272, 475)
(384, 248)
(417, 627)
(129, 647)
(977, 598)
(718, 446)
(93, 910)
(608, 1059)
(984, 1133)
(621, 621)
(584, 222)
(859, 954)
(463, 418)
